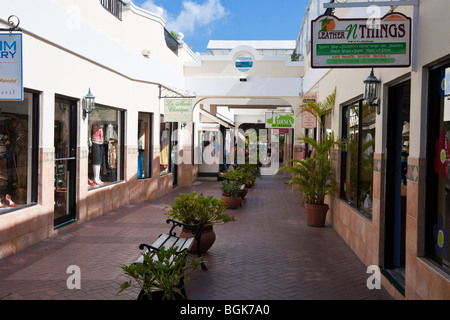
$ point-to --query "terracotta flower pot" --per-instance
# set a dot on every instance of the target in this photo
(316, 214)
(232, 203)
(206, 241)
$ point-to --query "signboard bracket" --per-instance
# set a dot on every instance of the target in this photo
(415, 24)
(165, 93)
(14, 24)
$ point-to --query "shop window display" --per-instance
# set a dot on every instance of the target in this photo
(165, 132)
(438, 180)
(144, 145)
(17, 153)
(358, 132)
(105, 146)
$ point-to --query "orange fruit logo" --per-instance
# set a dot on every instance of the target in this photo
(327, 25)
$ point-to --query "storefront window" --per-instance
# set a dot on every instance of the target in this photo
(18, 152)
(105, 146)
(144, 145)
(358, 132)
(438, 178)
(164, 143)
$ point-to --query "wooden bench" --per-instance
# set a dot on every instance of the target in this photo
(170, 239)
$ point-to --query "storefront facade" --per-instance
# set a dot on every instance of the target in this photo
(391, 205)
(62, 164)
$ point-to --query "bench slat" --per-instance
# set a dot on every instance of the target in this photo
(167, 241)
(161, 240)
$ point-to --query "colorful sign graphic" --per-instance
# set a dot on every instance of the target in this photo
(11, 82)
(361, 43)
(279, 120)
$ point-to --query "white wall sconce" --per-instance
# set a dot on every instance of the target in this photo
(89, 104)
(371, 90)
(146, 53)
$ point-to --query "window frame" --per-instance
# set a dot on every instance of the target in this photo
(34, 152)
(432, 178)
(121, 148)
(149, 116)
(161, 120)
(343, 164)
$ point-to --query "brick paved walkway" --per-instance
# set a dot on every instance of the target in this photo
(268, 253)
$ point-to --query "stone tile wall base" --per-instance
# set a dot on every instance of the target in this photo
(24, 228)
(357, 231)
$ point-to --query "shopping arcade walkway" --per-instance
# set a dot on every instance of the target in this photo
(250, 259)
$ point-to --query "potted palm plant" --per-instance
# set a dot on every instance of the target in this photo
(314, 176)
(161, 277)
(205, 210)
(231, 193)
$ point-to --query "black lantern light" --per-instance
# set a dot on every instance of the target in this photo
(371, 87)
(89, 104)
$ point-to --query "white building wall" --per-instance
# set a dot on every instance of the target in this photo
(69, 47)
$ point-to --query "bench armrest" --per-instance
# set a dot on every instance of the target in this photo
(196, 228)
(149, 247)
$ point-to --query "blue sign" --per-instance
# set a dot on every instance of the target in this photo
(11, 67)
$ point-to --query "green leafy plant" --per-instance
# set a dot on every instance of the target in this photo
(253, 169)
(321, 110)
(166, 273)
(295, 56)
(231, 188)
(174, 35)
(193, 209)
(314, 176)
(240, 175)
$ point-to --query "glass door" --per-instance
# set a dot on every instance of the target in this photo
(65, 160)
(396, 180)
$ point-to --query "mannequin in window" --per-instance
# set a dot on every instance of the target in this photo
(97, 150)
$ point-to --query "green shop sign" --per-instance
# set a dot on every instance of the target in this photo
(361, 43)
(279, 120)
(178, 110)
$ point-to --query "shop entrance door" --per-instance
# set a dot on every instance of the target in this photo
(65, 140)
(396, 178)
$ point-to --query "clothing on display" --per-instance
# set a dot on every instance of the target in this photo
(104, 152)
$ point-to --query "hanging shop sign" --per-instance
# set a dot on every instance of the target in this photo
(11, 80)
(178, 110)
(361, 43)
(279, 120)
(308, 119)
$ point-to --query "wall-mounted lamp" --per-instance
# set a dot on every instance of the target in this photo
(371, 88)
(89, 105)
